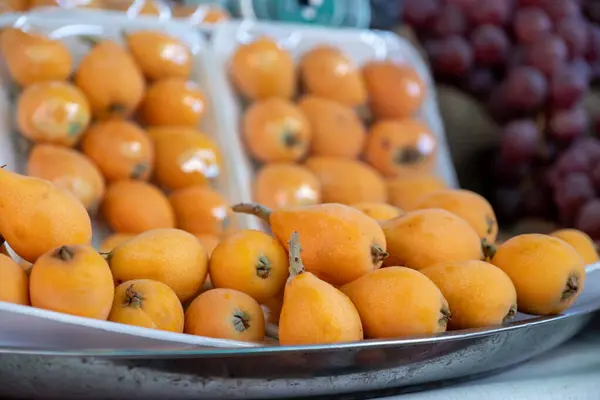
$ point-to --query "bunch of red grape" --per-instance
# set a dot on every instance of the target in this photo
(531, 62)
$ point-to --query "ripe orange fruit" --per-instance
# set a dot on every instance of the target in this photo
(286, 185)
(547, 272)
(336, 130)
(159, 55)
(379, 211)
(71, 3)
(405, 192)
(347, 181)
(31, 58)
(173, 101)
(120, 149)
(113, 241)
(400, 148)
(470, 206)
(225, 314)
(250, 261)
(69, 170)
(171, 256)
(111, 80)
(424, 238)
(261, 69)
(53, 112)
(184, 157)
(276, 130)
(395, 91)
(387, 291)
(149, 304)
(200, 209)
(327, 72)
(73, 280)
(14, 283)
(135, 207)
(208, 241)
(479, 294)
(314, 311)
(584, 244)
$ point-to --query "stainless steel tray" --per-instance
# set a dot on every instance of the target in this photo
(271, 372)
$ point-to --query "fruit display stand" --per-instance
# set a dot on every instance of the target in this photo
(48, 354)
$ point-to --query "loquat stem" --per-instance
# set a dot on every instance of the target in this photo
(64, 253)
(296, 267)
(378, 254)
(3, 166)
(255, 209)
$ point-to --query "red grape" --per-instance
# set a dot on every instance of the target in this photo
(464, 5)
(480, 82)
(528, 3)
(531, 24)
(450, 21)
(588, 219)
(537, 202)
(494, 12)
(589, 146)
(567, 87)
(519, 141)
(498, 106)
(420, 13)
(451, 56)
(490, 45)
(560, 9)
(566, 125)
(571, 194)
(595, 176)
(598, 127)
(581, 67)
(547, 54)
(526, 88)
(574, 31)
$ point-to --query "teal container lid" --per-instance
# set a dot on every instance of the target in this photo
(333, 13)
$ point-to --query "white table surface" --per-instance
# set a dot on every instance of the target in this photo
(572, 371)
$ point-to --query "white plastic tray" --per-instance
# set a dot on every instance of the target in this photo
(28, 327)
(360, 45)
